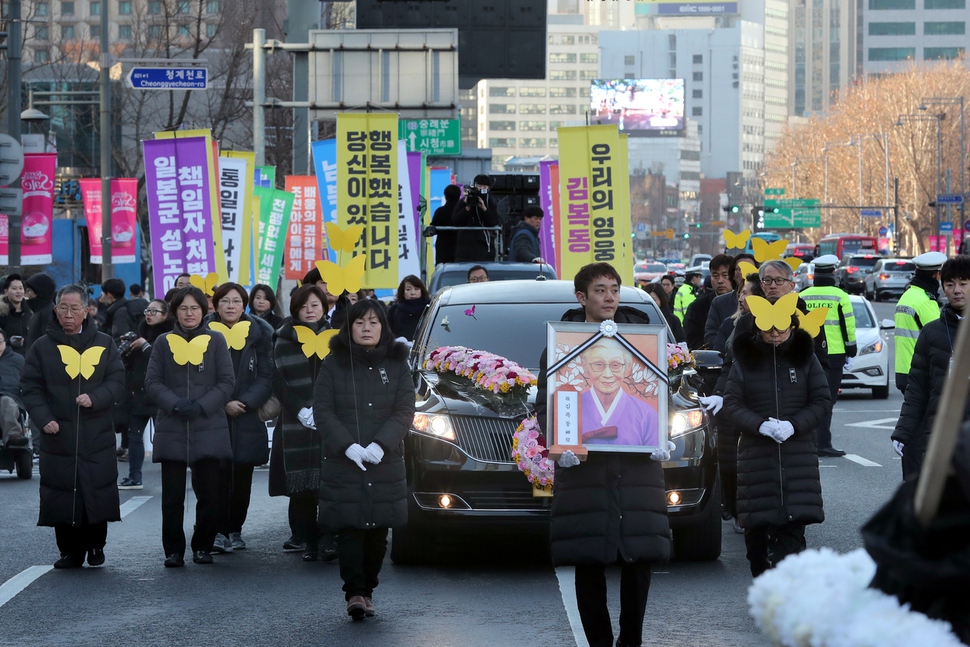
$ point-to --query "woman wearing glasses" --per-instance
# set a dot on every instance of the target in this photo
(135, 355)
(250, 341)
(190, 378)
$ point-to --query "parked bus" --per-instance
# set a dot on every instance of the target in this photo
(842, 244)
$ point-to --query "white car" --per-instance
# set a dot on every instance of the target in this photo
(869, 369)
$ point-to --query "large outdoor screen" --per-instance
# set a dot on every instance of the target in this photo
(640, 107)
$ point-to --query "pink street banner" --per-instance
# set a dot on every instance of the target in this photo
(37, 226)
(124, 206)
(303, 236)
(177, 177)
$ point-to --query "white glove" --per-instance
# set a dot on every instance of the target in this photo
(356, 453)
(783, 429)
(898, 447)
(373, 453)
(662, 455)
(306, 418)
(767, 428)
(568, 459)
(848, 363)
(714, 402)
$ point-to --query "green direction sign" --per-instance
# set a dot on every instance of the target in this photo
(431, 136)
(793, 214)
(775, 191)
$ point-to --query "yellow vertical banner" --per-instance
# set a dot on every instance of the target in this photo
(213, 162)
(367, 191)
(593, 202)
(625, 268)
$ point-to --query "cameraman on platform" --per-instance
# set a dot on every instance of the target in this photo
(476, 210)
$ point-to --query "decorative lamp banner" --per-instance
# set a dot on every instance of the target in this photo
(274, 218)
(590, 176)
(235, 206)
(367, 191)
(124, 208)
(37, 226)
(303, 235)
(179, 209)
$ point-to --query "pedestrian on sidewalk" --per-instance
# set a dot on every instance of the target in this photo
(71, 377)
(190, 378)
(250, 341)
(136, 356)
(363, 403)
(776, 395)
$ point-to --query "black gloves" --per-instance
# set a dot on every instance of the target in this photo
(188, 409)
(851, 350)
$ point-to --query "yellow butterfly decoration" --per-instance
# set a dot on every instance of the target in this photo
(348, 277)
(343, 239)
(793, 262)
(747, 268)
(765, 251)
(188, 352)
(813, 321)
(83, 364)
(207, 284)
(736, 241)
(235, 336)
(314, 343)
(769, 315)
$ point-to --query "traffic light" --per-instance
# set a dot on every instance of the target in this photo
(732, 208)
(698, 225)
(686, 235)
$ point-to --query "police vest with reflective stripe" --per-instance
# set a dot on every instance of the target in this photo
(915, 309)
(839, 322)
(682, 300)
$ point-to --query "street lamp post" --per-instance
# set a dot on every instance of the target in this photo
(938, 118)
(928, 101)
(107, 270)
(857, 140)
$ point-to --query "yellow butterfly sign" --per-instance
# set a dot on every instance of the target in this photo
(314, 343)
(813, 321)
(765, 251)
(82, 364)
(343, 239)
(793, 262)
(736, 240)
(776, 315)
(207, 284)
(339, 278)
(747, 268)
(188, 352)
(235, 336)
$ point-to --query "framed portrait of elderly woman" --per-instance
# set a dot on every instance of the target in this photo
(607, 387)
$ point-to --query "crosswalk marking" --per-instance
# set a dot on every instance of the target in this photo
(133, 504)
(875, 424)
(865, 462)
(567, 588)
(20, 581)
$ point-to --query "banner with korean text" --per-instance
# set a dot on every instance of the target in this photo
(37, 225)
(124, 207)
(303, 240)
(179, 209)
(367, 191)
(235, 207)
(325, 165)
(408, 261)
(549, 202)
(591, 198)
(274, 218)
(624, 218)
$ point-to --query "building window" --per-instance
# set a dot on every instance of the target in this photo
(213, 6)
(184, 31)
(892, 29)
(42, 56)
(95, 8)
(501, 142)
(501, 125)
(584, 92)
(67, 8)
(588, 75)
(698, 59)
(532, 109)
(698, 76)
(95, 31)
(562, 75)
(124, 8)
(67, 32)
(629, 60)
(589, 58)
(124, 32)
(155, 32)
(562, 110)
(891, 53)
(568, 40)
(501, 91)
(944, 4)
(697, 111)
(42, 9)
(697, 94)
(888, 5)
(558, 57)
(184, 7)
(532, 92)
(211, 29)
(155, 8)
(672, 41)
(553, 125)
(562, 92)
(946, 53)
(501, 108)
(42, 32)
(944, 28)
(532, 142)
(532, 125)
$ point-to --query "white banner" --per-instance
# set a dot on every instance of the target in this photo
(407, 240)
(233, 203)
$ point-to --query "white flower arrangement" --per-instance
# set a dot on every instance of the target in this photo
(820, 598)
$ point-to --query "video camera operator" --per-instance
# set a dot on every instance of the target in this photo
(477, 209)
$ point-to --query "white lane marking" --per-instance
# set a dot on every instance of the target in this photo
(875, 424)
(132, 504)
(567, 588)
(866, 410)
(20, 581)
(865, 462)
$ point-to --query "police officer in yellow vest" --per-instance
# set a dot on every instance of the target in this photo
(687, 293)
(839, 333)
(916, 308)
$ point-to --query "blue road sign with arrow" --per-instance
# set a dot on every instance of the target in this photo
(169, 78)
(871, 213)
(949, 198)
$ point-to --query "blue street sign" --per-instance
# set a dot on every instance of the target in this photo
(946, 226)
(871, 213)
(949, 198)
(641, 226)
(168, 78)
(883, 231)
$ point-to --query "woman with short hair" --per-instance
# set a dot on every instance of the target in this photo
(405, 312)
(262, 304)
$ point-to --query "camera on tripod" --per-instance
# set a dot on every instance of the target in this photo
(473, 193)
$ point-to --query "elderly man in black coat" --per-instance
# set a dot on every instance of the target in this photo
(71, 378)
(611, 509)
